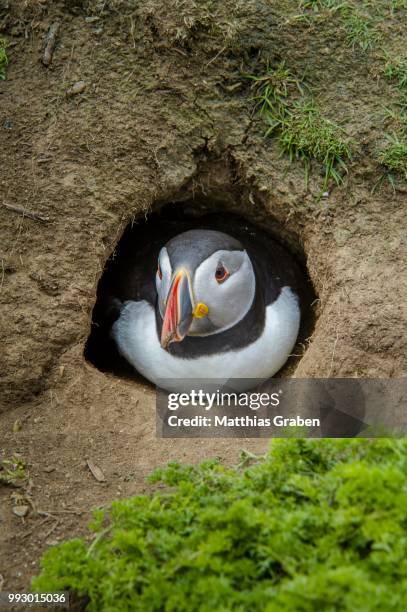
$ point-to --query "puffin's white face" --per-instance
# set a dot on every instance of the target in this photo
(208, 300)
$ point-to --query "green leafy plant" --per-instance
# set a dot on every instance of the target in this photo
(313, 525)
(13, 471)
(3, 59)
(302, 131)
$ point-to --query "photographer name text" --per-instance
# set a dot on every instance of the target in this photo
(241, 421)
(221, 400)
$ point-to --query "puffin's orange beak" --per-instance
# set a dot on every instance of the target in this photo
(179, 310)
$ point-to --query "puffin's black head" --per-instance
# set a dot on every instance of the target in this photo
(205, 285)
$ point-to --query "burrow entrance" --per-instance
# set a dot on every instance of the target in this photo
(136, 253)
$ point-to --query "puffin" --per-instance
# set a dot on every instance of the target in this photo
(209, 305)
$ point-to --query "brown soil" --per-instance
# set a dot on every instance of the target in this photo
(167, 117)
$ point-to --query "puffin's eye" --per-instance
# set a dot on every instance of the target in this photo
(159, 272)
(221, 273)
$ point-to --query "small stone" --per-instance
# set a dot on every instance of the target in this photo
(325, 194)
(77, 88)
(96, 471)
(20, 511)
(51, 542)
(49, 469)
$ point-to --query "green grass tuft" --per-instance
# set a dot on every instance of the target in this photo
(394, 156)
(306, 135)
(399, 5)
(3, 59)
(274, 90)
(319, 4)
(398, 115)
(301, 130)
(359, 31)
(396, 69)
(314, 525)
(393, 159)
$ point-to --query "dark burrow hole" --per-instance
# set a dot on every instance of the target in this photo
(138, 250)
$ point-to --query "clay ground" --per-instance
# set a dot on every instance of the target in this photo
(166, 115)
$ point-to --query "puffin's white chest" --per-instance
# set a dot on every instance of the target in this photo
(136, 337)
